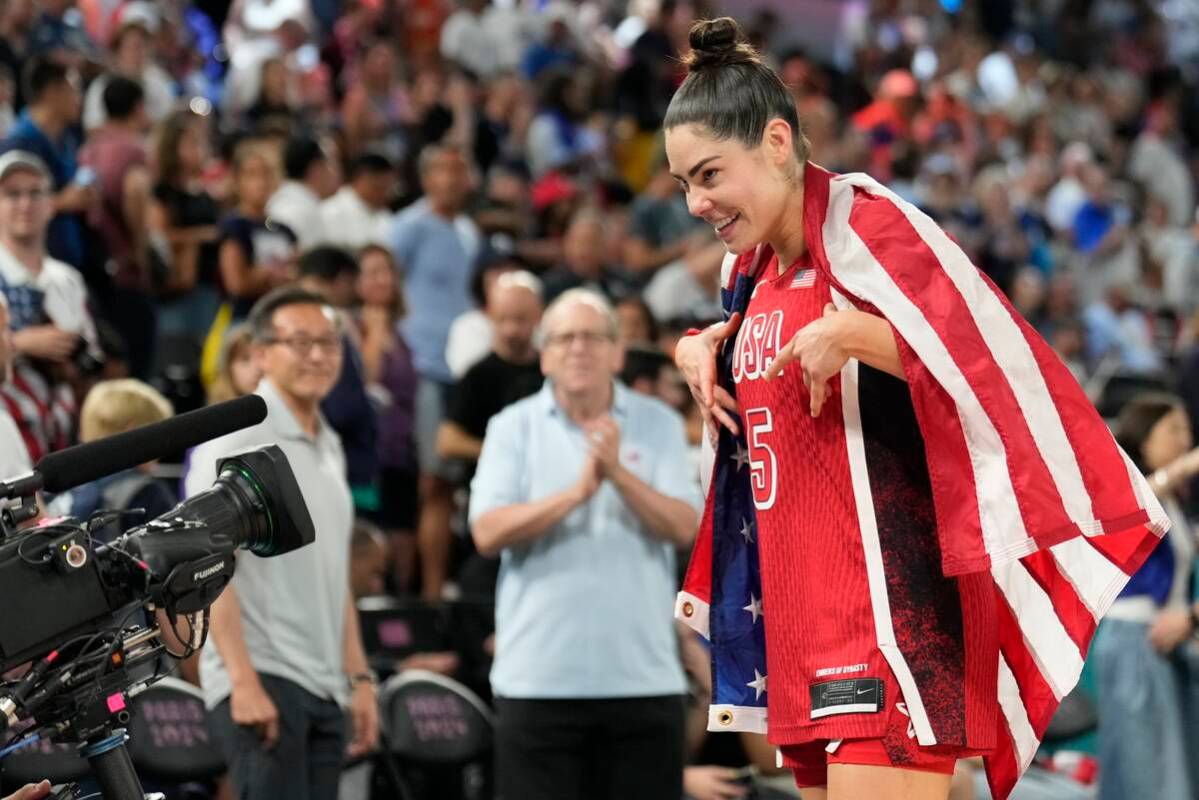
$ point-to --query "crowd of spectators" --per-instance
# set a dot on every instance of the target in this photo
(440, 171)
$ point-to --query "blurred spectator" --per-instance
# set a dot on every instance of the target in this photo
(579, 491)
(637, 325)
(1155, 161)
(116, 153)
(239, 372)
(53, 331)
(1145, 657)
(16, 18)
(256, 254)
(1117, 328)
(559, 137)
(46, 129)
(469, 40)
(508, 373)
(1003, 247)
(1171, 253)
(583, 256)
(555, 47)
(688, 288)
(469, 340)
(58, 30)
(888, 119)
(1069, 194)
(359, 214)
(113, 407)
(132, 51)
(391, 384)
(1101, 236)
(312, 175)
(285, 632)
(182, 225)
(332, 273)
(435, 247)
(273, 111)
(376, 110)
(14, 456)
(661, 229)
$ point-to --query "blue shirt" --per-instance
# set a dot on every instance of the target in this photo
(585, 611)
(437, 257)
(64, 238)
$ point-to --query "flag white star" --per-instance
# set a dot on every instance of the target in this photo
(741, 456)
(754, 607)
(747, 530)
(758, 684)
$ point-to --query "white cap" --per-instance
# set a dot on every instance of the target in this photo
(15, 160)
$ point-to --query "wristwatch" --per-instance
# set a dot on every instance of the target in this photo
(359, 678)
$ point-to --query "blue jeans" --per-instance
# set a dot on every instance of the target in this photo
(1148, 715)
(304, 764)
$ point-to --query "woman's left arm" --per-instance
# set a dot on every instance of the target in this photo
(870, 339)
(824, 345)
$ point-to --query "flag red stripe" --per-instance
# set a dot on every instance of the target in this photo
(1075, 617)
(1038, 698)
(1100, 457)
(915, 269)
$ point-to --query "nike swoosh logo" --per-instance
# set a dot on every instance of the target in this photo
(863, 691)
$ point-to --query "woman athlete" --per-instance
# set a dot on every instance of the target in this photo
(916, 519)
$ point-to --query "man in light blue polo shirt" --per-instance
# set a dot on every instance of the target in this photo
(584, 490)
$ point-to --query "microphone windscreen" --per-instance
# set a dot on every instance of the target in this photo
(87, 462)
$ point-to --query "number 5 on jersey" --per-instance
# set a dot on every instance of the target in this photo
(763, 466)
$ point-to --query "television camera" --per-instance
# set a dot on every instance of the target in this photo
(85, 617)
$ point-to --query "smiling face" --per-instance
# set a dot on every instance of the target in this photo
(581, 353)
(741, 192)
(303, 356)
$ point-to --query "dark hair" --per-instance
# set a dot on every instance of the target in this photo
(1137, 419)
(647, 314)
(730, 91)
(370, 164)
(166, 144)
(327, 263)
(122, 97)
(42, 73)
(299, 155)
(398, 308)
(554, 86)
(643, 362)
(262, 315)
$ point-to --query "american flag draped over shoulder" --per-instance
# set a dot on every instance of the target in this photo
(1028, 483)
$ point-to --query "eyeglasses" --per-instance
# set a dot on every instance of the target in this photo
(15, 196)
(566, 339)
(302, 345)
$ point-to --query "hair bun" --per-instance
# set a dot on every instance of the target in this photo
(719, 43)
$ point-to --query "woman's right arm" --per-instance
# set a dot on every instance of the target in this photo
(240, 277)
(1178, 472)
(185, 248)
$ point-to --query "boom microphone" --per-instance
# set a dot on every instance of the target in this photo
(86, 462)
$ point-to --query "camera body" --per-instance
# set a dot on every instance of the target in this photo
(87, 614)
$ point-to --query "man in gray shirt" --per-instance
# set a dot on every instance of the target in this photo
(285, 656)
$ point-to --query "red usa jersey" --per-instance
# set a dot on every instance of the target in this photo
(831, 594)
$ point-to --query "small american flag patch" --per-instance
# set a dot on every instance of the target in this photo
(804, 279)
